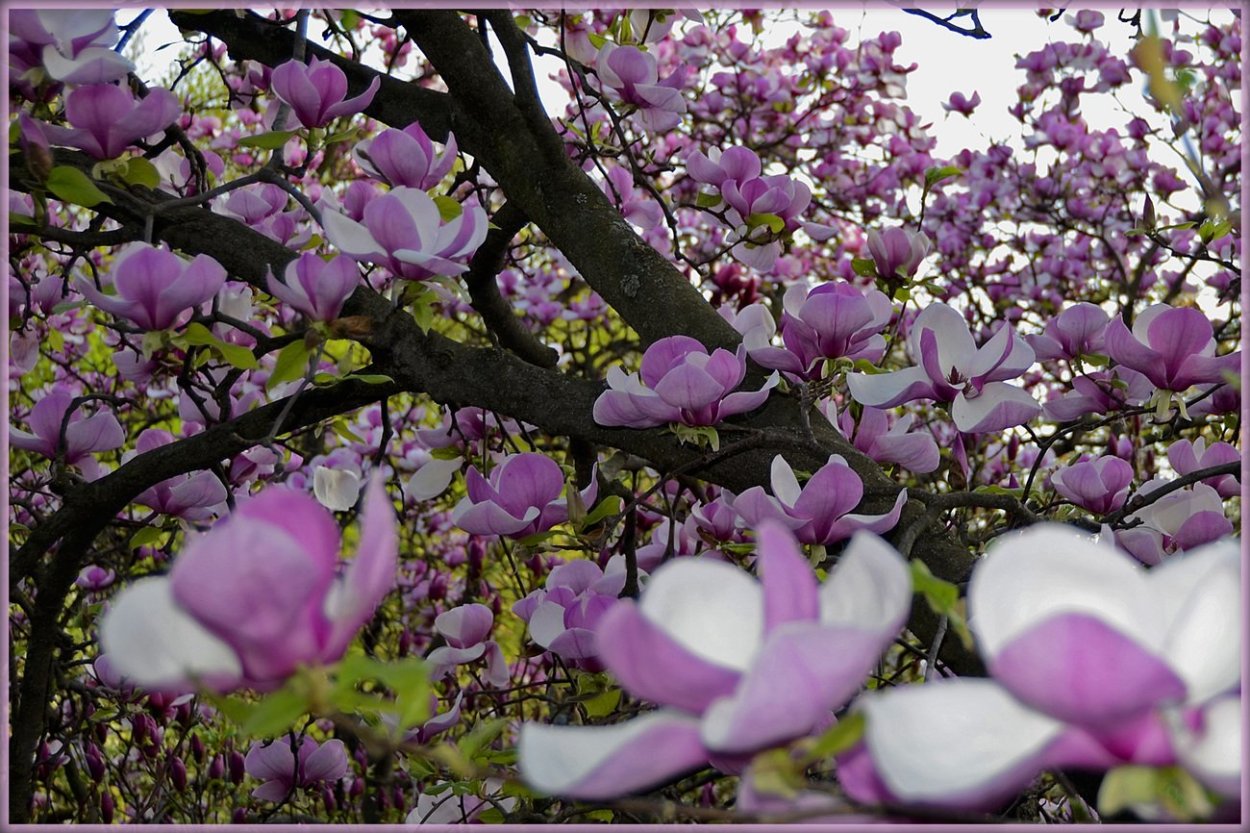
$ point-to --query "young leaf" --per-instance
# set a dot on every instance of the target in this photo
(71, 185)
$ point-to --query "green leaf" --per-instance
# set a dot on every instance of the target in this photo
(841, 737)
(291, 364)
(603, 703)
(348, 19)
(342, 136)
(490, 815)
(275, 713)
(700, 436)
(1213, 230)
(935, 175)
(448, 208)
(941, 595)
(146, 537)
(268, 141)
(422, 302)
(140, 171)
(236, 355)
(775, 224)
(370, 378)
(597, 41)
(610, 505)
(447, 453)
(865, 366)
(707, 199)
(481, 736)
(71, 185)
(865, 267)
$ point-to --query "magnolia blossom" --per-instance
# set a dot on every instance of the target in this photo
(739, 666)
(1077, 331)
(953, 369)
(254, 598)
(562, 617)
(679, 381)
(106, 119)
(405, 232)
(1091, 658)
(1099, 392)
(1173, 346)
(819, 512)
(466, 629)
(751, 200)
(317, 91)
(1186, 457)
(1100, 486)
(829, 321)
(83, 434)
(1176, 522)
(884, 439)
(283, 772)
(195, 496)
(155, 287)
(633, 77)
(316, 287)
(959, 103)
(897, 252)
(336, 488)
(71, 44)
(406, 158)
(521, 497)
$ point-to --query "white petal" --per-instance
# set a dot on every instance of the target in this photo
(1214, 754)
(432, 479)
(785, 484)
(349, 236)
(336, 489)
(1049, 570)
(711, 608)
(547, 623)
(933, 742)
(870, 587)
(151, 642)
(1198, 599)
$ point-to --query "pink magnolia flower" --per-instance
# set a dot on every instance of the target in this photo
(953, 369)
(679, 381)
(405, 232)
(106, 119)
(1091, 658)
(897, 252)
(406, 158)
(254, 598)
(466, 629)
(959, 103)
(1077, 331)
(1099, 392)
(737, 666)
(83, 434)
(633, 77)
(1186, 457)
(317, 91)
(317, 287)
(71, 44)
(1100, 486)
(563, 615)
(521, 498)
(155, 287)
(1173, 346)
(829, 321)
(819, 512)
(196, 496)
(283, 772)
(885, 439)
(1176, 522)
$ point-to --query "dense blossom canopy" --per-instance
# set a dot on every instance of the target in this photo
(623, 416)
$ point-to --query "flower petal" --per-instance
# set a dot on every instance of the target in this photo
(599, 762)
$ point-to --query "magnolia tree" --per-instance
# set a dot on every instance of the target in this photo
(390, 443)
